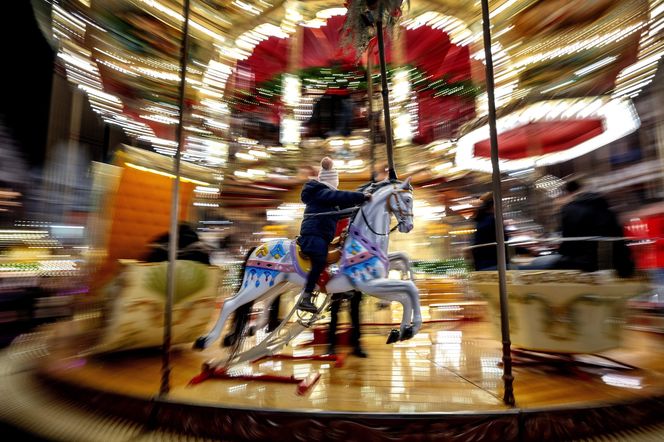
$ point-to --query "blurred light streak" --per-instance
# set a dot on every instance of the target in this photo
(179, 18)
(618, 380)
(596, 65)
(594, 42)
(166, 174)
(651, 48)
(558, 86)
(457, 30)
(331, 12)
(502, 8)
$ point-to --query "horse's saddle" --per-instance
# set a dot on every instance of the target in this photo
(333, 254)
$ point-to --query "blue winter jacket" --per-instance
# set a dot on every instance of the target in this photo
(320, 198)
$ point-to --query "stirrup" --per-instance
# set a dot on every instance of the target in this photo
(307, 322)
(307, 306)
(307, 317)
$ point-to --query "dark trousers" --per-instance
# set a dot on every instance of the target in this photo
(316, 249)
(355, 300)
(318, 263)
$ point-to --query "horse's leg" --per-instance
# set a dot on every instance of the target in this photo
(417, 313)
(240, 319)
(270, 313)
(404, 292)
(405, 329)
(273, 319)
(413, 292)
(244, 296)
(230, 305)
(268, 316)
(388, 290)
(404, 259)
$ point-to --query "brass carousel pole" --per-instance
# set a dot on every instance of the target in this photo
(389, 144)
(164, 387)
(370, 116)
(508, 379)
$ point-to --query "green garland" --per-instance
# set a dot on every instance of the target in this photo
(457, 267)
(420, 82)
(354, 80)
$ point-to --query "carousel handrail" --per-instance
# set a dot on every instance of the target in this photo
(566, 239)
(349, 210)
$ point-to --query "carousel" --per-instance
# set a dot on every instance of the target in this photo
(229, 107)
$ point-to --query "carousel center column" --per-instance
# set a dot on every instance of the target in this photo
(403, 103)
(291, 85)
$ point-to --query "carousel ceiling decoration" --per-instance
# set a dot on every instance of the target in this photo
(569, 82)
(123, 54)
(549, 132)
(435, 68)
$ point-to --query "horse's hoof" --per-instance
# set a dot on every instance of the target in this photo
(407, 333)
(393, 336)
(201, 343)
(229, 340)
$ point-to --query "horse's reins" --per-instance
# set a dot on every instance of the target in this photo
(333, 212)
(371, 228)
(399, 216)
(351, 210)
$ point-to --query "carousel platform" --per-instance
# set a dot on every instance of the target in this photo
(445, 384)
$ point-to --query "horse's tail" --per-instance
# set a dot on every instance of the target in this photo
(241, 315)
(244, 263)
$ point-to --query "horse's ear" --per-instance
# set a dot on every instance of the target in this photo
(406, 183)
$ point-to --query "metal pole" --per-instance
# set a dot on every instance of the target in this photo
(175, 206)
(508, 379)
(370, 119)
(389, 145)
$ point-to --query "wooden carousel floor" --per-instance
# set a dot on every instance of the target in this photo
(448, 367)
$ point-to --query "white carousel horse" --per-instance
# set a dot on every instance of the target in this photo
(275, 267)
(399, 261)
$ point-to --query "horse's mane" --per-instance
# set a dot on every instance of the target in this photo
(373, 187)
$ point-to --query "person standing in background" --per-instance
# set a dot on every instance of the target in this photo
(337, 299)
(485, 256)
(588, 214)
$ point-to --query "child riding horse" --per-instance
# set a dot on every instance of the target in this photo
(317, 230)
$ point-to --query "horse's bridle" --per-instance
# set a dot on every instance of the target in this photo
(399, 216)
(402, 214)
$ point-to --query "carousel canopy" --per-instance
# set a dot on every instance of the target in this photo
(124, 55)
